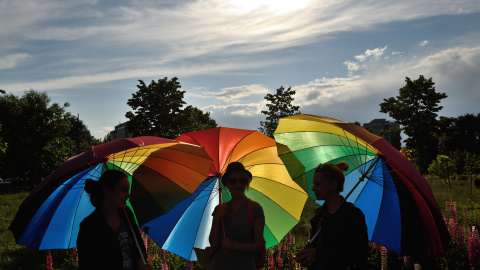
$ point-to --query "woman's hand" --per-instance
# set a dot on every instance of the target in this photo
(227, 243)
(306, 256)
(142, 266)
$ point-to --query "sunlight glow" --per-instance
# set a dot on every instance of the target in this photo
(271, 6)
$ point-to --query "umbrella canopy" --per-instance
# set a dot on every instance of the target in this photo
(188, 224)
(162, 173)
(400, 210)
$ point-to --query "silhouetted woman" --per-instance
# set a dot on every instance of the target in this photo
(106, 239)
(341, 240)
(239, 241)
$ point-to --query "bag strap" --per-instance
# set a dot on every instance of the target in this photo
(250, 213)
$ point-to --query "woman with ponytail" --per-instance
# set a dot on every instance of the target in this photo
(338, 235)
(107, 237)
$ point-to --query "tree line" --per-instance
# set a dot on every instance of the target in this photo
(36, 136)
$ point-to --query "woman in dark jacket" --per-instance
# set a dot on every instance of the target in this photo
(338, 228)
(107, 237)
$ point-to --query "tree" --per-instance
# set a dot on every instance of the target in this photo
(36, 134)
(80, 134)
(158, 111)
(194, 119)
(415, 108)
(442, 167)
(393, 137)
(3, 144)
(280, 106)
(472, 166)
(462, 133)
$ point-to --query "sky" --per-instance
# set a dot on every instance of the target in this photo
(342, 57)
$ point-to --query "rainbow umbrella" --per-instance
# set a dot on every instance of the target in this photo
(400, 210)
(162, 173)
(187, 226)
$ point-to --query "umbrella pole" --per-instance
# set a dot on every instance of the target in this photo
(135, 238)
(359, 181)
(225, 251)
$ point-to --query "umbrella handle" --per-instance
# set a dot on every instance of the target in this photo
(135, 237)
(225, 251)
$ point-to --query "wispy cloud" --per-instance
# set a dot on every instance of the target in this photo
(247, 109)
(423, 43)
(233, 94)
(11, 61)
(126, 36)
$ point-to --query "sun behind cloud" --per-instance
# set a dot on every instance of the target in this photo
(276, 7)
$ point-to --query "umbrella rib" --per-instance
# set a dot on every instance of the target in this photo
(183, 165)
(129, 164)
(357, 160)
(74, 218)
(77, 171)
(350, 144)
(379, 182)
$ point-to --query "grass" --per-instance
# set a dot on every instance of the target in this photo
(14, 256)
(461, 194)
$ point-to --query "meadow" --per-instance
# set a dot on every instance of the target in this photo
(460, 207)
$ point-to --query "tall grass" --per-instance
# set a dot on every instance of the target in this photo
(13, 256)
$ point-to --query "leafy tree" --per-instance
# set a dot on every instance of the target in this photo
(393, 136)
(194, 119)
(472, 166)
(158, 111)
(108, 138)
(442, 167)
(3, 144)
(36, 133)
(80, 134)
(415, 108)
(462, 133)
(280, 106)
(446, 135)
(407, 152)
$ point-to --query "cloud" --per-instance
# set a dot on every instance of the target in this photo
(12, 61)
(375, 54)
(233, 94)
(454, 70)
(75, 81)
(423, 43)
(131, 40)
(352, 66)
(103, 131)
(247, 109)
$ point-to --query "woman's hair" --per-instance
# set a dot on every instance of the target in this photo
(334, 172)
(236, 167)
(108, 180)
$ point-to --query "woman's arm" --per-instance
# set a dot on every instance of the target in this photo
(257, 245)
(217, 214)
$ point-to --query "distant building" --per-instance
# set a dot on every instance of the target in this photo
(121, 131)
(377, 125)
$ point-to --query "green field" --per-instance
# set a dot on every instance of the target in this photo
(13, 256)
